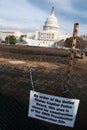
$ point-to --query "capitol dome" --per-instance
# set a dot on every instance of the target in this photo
(51, 23)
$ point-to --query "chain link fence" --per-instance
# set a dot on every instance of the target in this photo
(15, 86)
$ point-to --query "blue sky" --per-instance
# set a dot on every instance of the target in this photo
(30, 15)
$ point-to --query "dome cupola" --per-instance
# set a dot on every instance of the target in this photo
(51, 23)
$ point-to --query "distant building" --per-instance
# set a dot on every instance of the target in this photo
(47, 37)
(84, 37)
(6, 33)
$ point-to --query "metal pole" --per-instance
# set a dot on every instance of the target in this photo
(71, 57)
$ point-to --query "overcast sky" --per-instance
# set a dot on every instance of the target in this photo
(30, 15)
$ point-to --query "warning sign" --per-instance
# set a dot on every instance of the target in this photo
(57, 110)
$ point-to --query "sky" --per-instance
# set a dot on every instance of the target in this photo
(30, 15)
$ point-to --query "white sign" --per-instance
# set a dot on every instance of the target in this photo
(57, 110)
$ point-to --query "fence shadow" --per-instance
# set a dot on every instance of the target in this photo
(13, 115)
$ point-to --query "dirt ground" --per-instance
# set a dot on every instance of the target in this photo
(80, 65)
(30, 63)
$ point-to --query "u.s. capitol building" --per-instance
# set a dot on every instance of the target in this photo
(47, 37)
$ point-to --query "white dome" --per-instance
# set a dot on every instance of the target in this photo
(51, 22)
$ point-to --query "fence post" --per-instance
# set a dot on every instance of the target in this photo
(71, 57)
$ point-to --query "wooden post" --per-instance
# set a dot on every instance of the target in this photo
(71, 57)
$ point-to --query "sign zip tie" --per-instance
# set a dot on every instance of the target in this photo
(31, 79)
